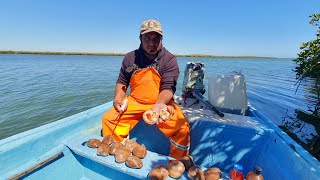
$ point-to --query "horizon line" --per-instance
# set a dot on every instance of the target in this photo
(121, 54)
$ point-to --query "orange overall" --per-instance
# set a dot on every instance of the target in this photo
(145, 87)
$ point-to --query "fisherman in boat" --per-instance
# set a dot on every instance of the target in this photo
(152, 73)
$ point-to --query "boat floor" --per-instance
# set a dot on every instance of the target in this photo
(193, 113)
(195, 110)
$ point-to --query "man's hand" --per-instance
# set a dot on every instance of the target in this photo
(119, 93)
(157, 108)
(120, 106)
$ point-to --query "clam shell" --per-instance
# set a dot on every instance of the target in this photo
(166, 113)
(195, 173)
(103, 149)
(187, 161)
(131, 144)
(140, 151)
(108, 140)
(158, 173)
(175, 168)
(114, 147)
(134, 162)
(121, 155)
(93, 143)
(212, 173)
(150, 117)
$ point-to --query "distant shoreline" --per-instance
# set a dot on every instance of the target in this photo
(119, 54)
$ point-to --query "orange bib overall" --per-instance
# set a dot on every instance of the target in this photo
(145, 88)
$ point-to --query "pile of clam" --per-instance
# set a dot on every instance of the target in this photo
(130, 152)
(175, 169)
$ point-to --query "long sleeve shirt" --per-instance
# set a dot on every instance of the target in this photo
(167, 67)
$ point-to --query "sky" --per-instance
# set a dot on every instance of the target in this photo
(273, 28)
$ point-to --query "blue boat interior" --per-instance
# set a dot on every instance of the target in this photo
(58, 150)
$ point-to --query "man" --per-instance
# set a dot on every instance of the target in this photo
(152, 73)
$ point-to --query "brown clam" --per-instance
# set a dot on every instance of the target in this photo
(93, 143)
(213, 173)
(134, 162)
(121, 155)
(108, 140)
(158, 173)
(150, 117)
(166, 113)
(175, 168)
(195, 173)
(187, 161)
(140, 151)
(114, 147)
(131, 144)
(103, 149)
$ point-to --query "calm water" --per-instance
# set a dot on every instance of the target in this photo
(39, 89)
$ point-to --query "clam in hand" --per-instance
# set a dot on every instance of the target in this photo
(150, 117)
(166, 113)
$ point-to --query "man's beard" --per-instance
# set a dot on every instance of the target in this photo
(151, 54)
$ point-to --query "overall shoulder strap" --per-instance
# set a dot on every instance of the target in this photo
(155, 64)
(134, 66)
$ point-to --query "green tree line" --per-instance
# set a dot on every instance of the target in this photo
(119, 54)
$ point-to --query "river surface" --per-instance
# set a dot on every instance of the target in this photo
(39, 89)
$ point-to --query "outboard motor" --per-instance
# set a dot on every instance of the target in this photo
(193, 85)
(193, 79)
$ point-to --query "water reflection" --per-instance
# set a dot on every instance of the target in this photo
(304, 125)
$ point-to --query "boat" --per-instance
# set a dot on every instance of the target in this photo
(59, 150)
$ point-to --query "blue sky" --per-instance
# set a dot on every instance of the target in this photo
(229, 27)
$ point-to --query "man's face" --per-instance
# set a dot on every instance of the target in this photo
(151, 42)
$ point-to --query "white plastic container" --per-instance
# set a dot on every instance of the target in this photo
(228, 92)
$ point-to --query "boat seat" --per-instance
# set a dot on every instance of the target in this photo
(152, 159)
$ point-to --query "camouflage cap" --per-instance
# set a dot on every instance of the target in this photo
(151, 26)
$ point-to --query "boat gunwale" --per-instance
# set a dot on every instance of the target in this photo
(297, 148)
(52, 126)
